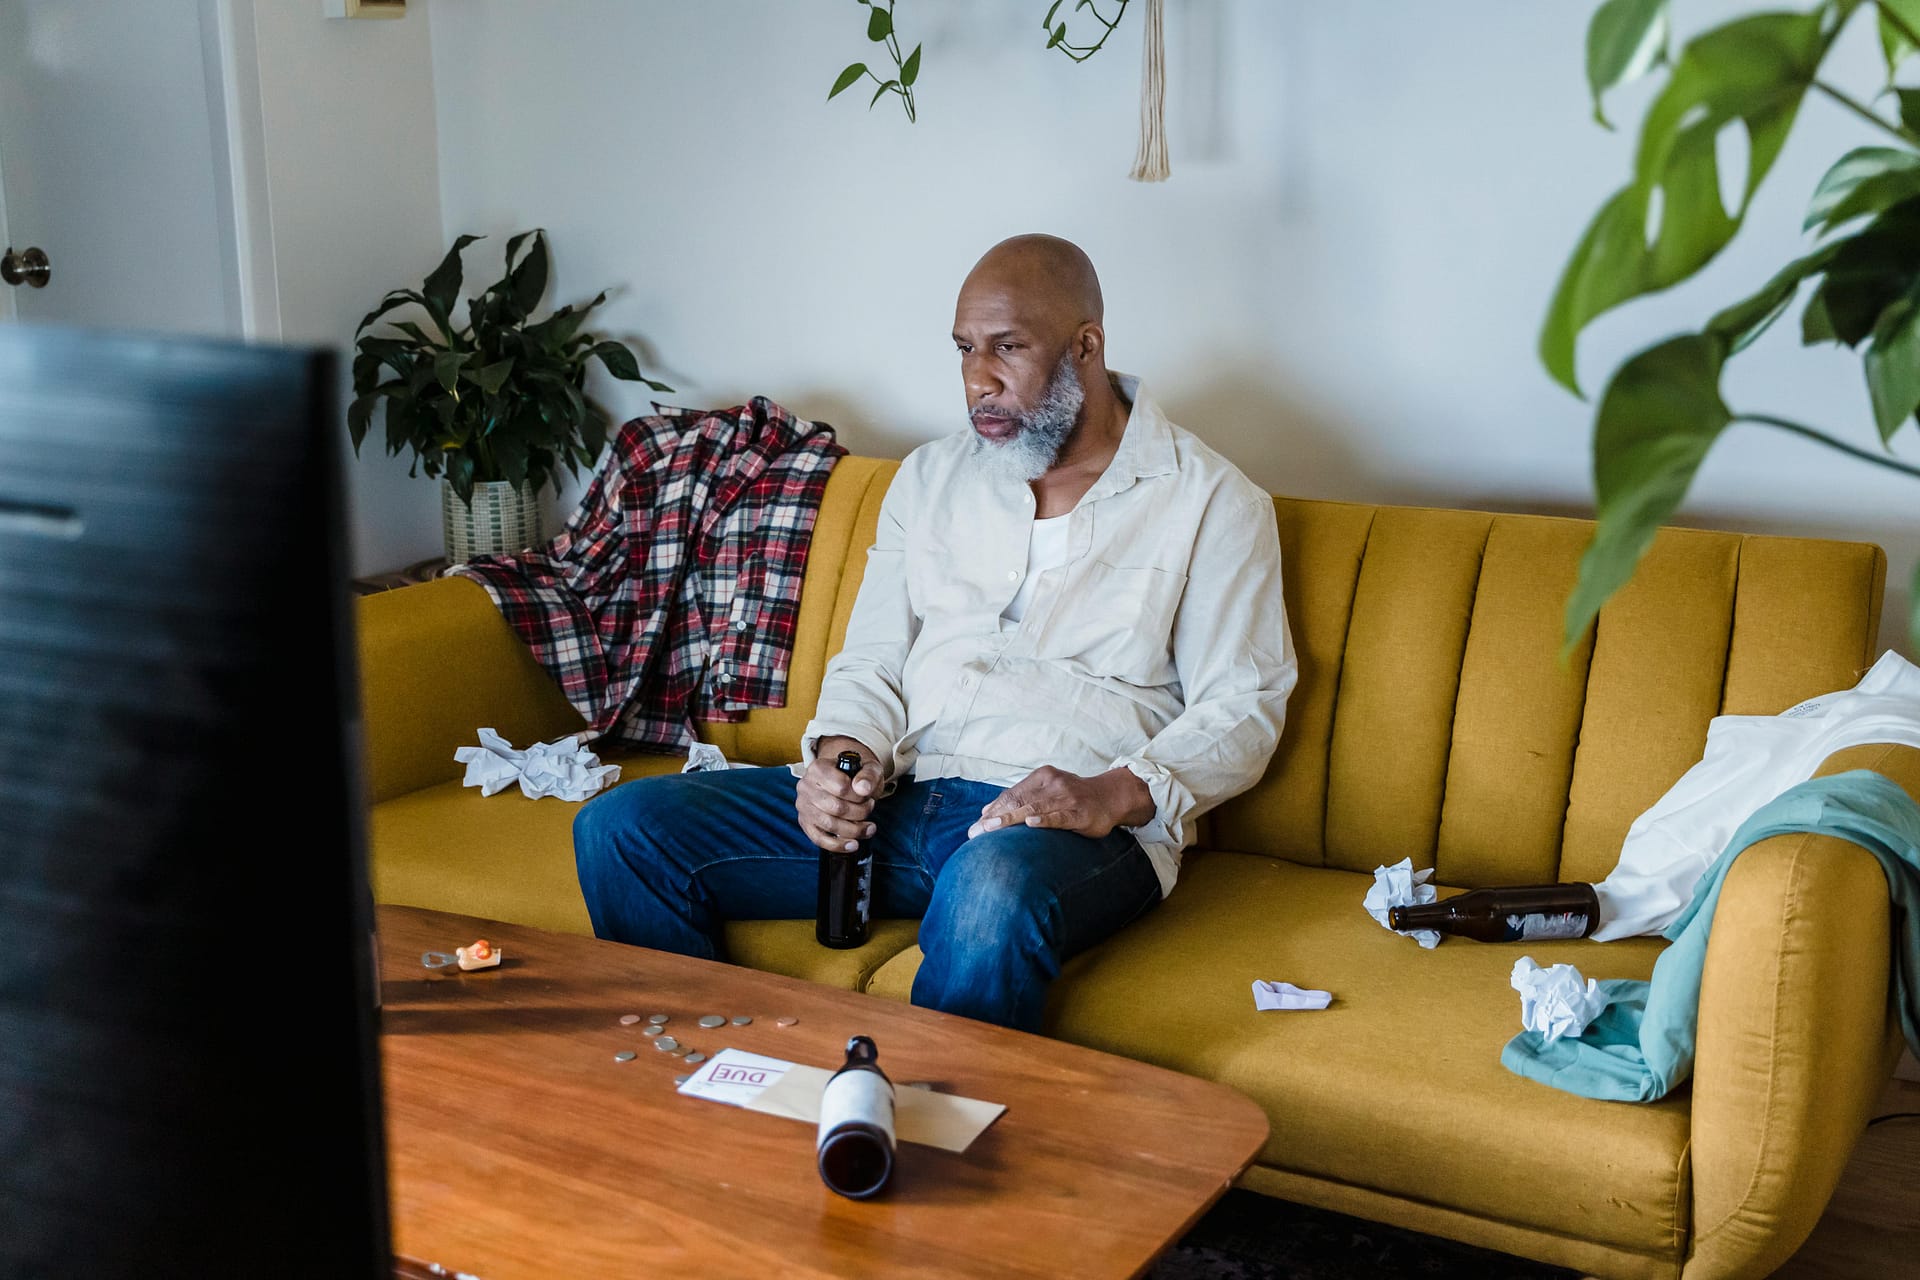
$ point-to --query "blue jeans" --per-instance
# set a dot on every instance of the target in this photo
(664, 861)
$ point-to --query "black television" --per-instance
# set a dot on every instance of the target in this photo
(189, 1079)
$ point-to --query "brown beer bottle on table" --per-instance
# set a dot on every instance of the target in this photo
(842, 912)
(1513, 913)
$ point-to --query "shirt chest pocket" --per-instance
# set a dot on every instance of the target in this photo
(1114, 621)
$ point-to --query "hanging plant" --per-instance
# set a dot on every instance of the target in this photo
(881, 31)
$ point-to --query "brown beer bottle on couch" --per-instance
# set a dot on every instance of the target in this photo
(1513, 913)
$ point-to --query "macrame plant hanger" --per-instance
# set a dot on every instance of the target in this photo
(1150, 161)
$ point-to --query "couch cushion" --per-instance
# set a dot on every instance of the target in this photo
(1398, 1086)
(505, 857)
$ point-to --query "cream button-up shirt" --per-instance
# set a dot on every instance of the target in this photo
(1160, 646)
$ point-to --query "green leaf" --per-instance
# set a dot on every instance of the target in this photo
(528, 281)
(1657, 420)
(1752, 72)
(1739, 324)
(446, 369)
(1059, 34)
(910, 69)
(1909, 109)
(1625, 40)
(1608, 267)
(510, 455)
(593, 432)
(1894, 45)
(1873, 270)
(890, 84)
(460, 475)
(1893, 365)
(1865, 180)
(443, 286)
(618, 360)
(1815, 324)
(846, 80)
(402, 417)
(879, 25)
(490, 377)
(359, 418)
(397, 298)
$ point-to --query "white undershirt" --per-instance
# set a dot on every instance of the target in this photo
(1047, 549)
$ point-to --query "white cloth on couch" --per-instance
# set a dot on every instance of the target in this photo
(1748, 761)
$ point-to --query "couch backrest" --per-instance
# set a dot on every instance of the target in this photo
(1433, 718)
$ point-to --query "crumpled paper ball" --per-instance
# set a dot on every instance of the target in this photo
(1401, 886)
(1556, 1002)
(563, 768)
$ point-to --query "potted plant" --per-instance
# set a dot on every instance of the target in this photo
(492, 409)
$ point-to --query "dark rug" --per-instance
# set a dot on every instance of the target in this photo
(1253, 1237)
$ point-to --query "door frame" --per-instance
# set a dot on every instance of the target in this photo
(232, 59)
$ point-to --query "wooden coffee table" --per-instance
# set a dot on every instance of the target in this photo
(518, 1146)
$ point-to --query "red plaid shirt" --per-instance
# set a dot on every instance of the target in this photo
(673, 593)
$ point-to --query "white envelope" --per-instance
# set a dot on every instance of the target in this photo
(791, 1089)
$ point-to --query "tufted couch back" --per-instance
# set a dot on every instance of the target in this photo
(1433, 718)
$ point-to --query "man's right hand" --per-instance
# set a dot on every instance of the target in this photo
(835, 810)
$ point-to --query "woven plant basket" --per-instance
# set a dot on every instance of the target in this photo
(500, 520)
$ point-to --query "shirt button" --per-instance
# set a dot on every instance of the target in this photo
(724, 678)
(739, 624)
(1013, 575)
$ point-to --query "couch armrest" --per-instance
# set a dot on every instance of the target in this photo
(437, 662)
(1797, 1036)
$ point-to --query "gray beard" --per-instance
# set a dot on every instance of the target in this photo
(1033, 448)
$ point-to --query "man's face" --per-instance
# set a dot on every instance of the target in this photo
(1008, 358)
(1023, 388)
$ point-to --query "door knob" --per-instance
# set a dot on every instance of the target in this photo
(30, 267)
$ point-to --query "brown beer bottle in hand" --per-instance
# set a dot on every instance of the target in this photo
(1514, 913)
(842, 917)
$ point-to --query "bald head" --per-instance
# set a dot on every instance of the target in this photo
(1051, 280)
(1032, 345)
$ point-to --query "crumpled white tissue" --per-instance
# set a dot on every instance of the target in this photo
(563, 768)
(1284, 995)
(703, 757)
(1401, 886)
(1556, 1002)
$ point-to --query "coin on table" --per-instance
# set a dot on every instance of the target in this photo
(625, 1055)
(657, 1019)
(713, 1020)
(652, 1031)
(681, 1079)
(666, 1044)
(678, 1051)
(629, 1019)
(784, 1022)
(743, 1021)
(696, 1057)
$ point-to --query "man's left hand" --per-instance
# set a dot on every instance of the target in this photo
(1050, 797)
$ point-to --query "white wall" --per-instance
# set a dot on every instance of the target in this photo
(353, 196)
(1340, 287)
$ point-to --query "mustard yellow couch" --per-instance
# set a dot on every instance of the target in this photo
(1432, 720)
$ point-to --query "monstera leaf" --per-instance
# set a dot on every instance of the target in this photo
(1663, 410)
